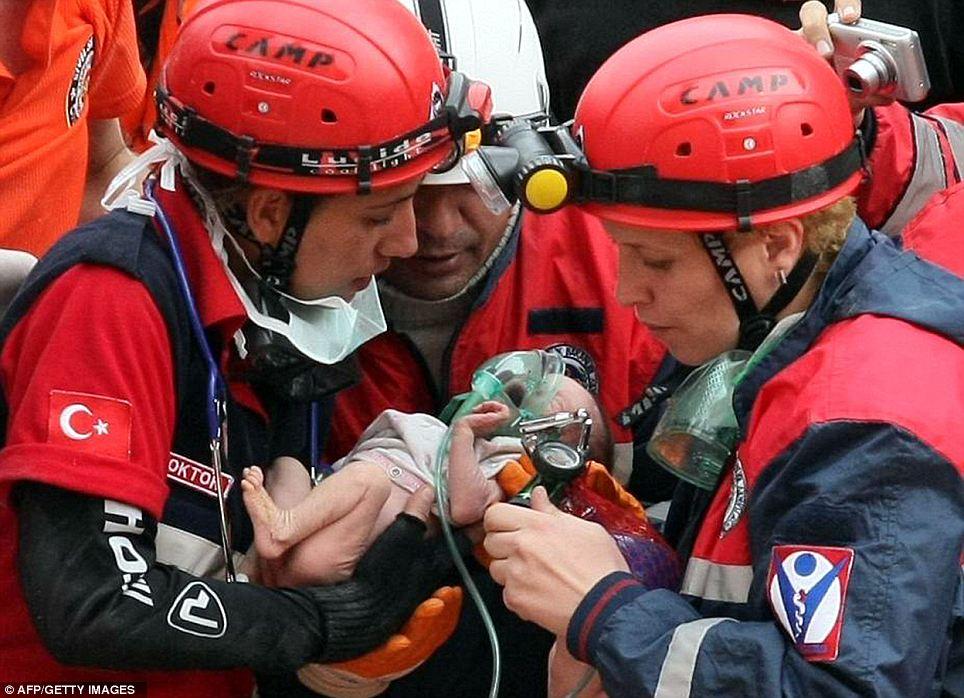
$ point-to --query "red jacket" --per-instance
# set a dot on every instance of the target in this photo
(552, 287)
(936, 233)
(566, 261)
(913, 157)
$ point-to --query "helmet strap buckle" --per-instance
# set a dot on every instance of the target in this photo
(743, 191)
(243, 155)
(364, 170)
(185, 122)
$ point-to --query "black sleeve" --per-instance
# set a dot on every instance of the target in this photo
(98, 597)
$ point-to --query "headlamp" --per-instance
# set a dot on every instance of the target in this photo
(519, 164)
(545, 168)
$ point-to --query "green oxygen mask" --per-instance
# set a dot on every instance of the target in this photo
(524, 381)
(698, 431)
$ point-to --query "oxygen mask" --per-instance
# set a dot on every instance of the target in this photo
(524, 381)
(697, 433)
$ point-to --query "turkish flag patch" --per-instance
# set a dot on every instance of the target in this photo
(808, 593)
(90, 423)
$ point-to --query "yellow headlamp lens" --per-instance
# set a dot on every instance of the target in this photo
(473, 139)
(546, 189)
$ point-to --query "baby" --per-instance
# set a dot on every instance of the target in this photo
(317, 535)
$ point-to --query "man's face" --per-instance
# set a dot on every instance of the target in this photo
(456, 235)
(349, 238)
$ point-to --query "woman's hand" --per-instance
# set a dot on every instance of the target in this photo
(813, 22)
(547, 560)
(814, 28)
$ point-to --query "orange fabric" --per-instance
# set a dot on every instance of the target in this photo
(140, 120)
(432, 624)
(511, 479)
(600, 480)
(516, 474)
(43, 143)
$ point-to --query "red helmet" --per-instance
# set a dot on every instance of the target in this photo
(715, 123)
(311, 97)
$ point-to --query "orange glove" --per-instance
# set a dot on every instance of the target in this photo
(515, 475)
(431, 625)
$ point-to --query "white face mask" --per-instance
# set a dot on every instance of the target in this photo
(325, 330)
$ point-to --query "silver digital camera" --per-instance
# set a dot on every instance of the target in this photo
(875, 58)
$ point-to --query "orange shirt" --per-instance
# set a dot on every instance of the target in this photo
(84, 65)
(138, 122)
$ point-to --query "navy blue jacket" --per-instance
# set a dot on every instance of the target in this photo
(828, 562)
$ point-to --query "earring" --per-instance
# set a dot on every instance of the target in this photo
(782, 276)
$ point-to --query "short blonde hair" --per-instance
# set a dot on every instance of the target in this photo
(824, 231)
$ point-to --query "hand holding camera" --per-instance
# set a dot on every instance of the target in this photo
(879, 62)
(877, 59)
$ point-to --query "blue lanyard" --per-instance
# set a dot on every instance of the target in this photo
(319, 467)
(217, 416)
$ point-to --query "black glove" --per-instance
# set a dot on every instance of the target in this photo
(398, 572)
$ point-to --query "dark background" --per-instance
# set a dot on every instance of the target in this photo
(578, 35)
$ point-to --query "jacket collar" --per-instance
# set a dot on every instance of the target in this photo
(872, 274)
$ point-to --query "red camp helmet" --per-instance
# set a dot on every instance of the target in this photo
(715, 123)
(307, 96)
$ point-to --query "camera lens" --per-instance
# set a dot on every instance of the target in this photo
(873, 73)
(863, 76)
(854, 83)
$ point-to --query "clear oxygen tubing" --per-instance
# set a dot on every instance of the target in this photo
(534, 372)
(472, 401)
(583, 683)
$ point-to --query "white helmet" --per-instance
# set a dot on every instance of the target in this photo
(494, 41)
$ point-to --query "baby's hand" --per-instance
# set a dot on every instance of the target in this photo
(485, 418)
(493, 407)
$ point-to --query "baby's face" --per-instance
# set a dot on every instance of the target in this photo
(570, 397)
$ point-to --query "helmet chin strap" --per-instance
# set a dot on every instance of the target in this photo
(276, 263)
(755, 323)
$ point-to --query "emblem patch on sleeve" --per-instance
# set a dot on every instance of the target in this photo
(79, 83)
(198, 611)
(579, 365)
(737, 502)
(808, 593)
(90, 423)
